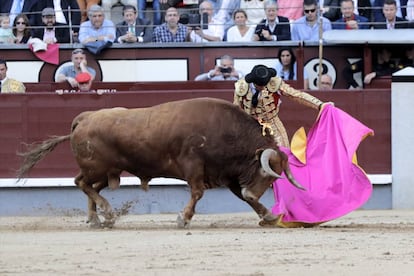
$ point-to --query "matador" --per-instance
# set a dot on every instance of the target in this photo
(258, 93)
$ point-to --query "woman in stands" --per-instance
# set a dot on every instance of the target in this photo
(21, 29)
(286, 66)
(240, 31)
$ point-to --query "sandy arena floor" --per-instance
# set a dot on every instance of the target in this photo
(362, 243)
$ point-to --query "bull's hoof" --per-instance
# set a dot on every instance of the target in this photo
(268, 223)
(108, 224)
(94, 222)
(181, 222)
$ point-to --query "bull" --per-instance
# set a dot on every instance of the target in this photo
(207, 142)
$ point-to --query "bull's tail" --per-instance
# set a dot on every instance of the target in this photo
(37, 152)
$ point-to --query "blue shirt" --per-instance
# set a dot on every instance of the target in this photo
(302, 31)
(284, 75)
(87, 30)
(69, 71)
(163, 34)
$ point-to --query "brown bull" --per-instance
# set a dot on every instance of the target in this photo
(207, 142)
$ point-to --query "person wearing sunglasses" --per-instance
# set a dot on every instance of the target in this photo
(306, 28)
(21, 29)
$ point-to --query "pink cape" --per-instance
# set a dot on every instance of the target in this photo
(325, 164)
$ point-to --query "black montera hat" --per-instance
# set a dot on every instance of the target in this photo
(260, 75)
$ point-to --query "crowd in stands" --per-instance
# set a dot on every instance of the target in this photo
(227, 20)
(90, 21)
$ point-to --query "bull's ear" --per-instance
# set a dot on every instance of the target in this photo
(259, 153)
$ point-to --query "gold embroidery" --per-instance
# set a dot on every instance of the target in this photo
(266, 126)
(274, 84)
(241, 88)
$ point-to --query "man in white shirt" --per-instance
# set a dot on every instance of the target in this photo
(215, 31)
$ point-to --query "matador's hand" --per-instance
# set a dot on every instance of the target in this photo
(322, 105)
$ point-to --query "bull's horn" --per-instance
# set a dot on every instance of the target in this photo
(264, 161)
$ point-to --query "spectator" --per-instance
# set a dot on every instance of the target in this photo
(383, 65)
(84, 6)
(215, 31)
(156, 10)
(84, 81)
(408, 58)
(291, 9)
(306, 28)
(350, 20)
(378, 15)
(240, 32)
(224, 71)
(391, 20)
(108, 4)
(52, 32)
(79, 65)
(286, 66)
(326, 82)
(62, 15)
(255, 11)
(171, 30)
(133, 29)
(21, 29)
(6, 32)
(273, 27)
(9, 85)
(15, 7)
(330, 10)
(97, 28)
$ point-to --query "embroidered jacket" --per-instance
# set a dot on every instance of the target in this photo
(12, 86)
(267, 109)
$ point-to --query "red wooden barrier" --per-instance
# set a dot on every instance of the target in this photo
(34, 116)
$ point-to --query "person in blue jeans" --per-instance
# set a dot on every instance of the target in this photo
(156, 9)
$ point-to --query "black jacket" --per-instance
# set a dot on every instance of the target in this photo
(400, 24)
(62, 34)
(282, 29)
(143, 28)
(378, 15)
